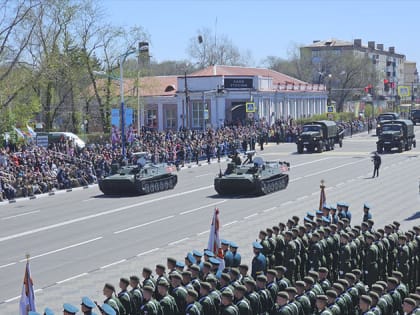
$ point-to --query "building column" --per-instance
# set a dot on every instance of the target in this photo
(179, 112)
(160, 116)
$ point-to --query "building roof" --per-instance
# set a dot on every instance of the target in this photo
(217, 70)
(330, 43)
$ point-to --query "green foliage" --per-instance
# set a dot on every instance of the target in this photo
(343, 116)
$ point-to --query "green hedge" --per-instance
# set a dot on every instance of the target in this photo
(336, 116)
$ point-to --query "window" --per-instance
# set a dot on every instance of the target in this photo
(152, 118)
(198, 114)
(171, 118)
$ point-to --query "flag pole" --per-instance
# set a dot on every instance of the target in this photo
(322, 198)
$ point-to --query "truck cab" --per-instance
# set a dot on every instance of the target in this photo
(384, 117)
(317, 136)
(398, 134)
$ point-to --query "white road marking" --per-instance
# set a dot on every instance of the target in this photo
(269, 209)
(148, 252)
(311, 162)
(295, 179)
(204, 232)
(286, 203)
(7, 265)
(230, 223)
(90, 199)
(203, 207)
(251, 216)
(144, 224)
(12, 299)
(72, 278)
(20, 215)
(64, 248)
(334, 168)
(100, 214)
(178, 241)
(113, 264)
(202, 175)
(301, 198)
(341, 184)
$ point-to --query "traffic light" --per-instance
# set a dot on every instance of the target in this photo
(368, 89)
(386, 85)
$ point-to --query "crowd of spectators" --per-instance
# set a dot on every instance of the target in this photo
(27, 170)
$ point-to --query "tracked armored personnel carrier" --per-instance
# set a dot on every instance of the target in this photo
(253, 177)
(140, 179)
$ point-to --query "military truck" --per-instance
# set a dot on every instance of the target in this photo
(318, 136)
(415, 116)
(384, 117)
(398, 134)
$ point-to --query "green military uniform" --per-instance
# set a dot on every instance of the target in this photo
(116, 305)
(136, 300)
(125, 300)
(207, 305)
(244, 307)
(180, 295)
(151, 307)
(403, 257)
(279, 250)
(344, 264)
(169, 305)
(325, 311)
(315, 254)
(305, 303)
(290, 260)
(370, 265)
(266, 300)
(215, 297)
(255, 302)
(193, 309)
(230, 310)
(151, 282)
(334, 309)
(281, 310)
(341, 303)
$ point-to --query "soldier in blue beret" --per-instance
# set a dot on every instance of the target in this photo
(236, 257)
(366, 212)
(33, 313)
(189, 260)
(259, 262)
(48, 311)
(180, 266)
(310, 215)
(69, 309)
(106, 309)
(87, 306)
(346, 212)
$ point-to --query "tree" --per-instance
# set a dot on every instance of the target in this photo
(207, 49)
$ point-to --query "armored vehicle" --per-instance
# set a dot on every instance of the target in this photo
(139, 179)
(253, 177)
(415, 116)
(397, 133)
(318, 136)
(384, 117)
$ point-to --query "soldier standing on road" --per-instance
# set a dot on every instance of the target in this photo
(376, 164)
(136, 295)
(112, 300)
(370, 261)
(367, 215)
(403, 256)
(259, 262)
(124, 297)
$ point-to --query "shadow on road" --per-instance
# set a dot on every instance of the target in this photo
(113, 196)
(216, 196)
(415, 216)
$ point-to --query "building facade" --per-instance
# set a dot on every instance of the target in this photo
(218, 95)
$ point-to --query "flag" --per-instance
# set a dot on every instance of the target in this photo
(214, 239)
(19, 132)
(322, 197)
(27, 299)
(32, 132)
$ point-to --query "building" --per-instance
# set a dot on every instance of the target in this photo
(388, 63)
(217, 95)
(408, 89)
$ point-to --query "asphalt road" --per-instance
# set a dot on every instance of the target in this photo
(79, 240)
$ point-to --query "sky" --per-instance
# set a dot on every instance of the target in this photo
(270, 27)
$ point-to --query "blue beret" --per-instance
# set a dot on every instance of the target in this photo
(88, 302)
(233, 244)
(333, 207)
(191, 258)
(108, 310)
(366, 205)
(257, 245)
(319, 212)
(326, 207)
(33, 313)
(208, 253)
(325, 219)
(307, 219)
(340, 204)
(345, 204)
(310, 214)
(214, 261)
(224, 242)
(48, 311)
(70, 308)
(180, 264)
(197, 253)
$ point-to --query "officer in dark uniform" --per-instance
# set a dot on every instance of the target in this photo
(236, 257)
(376, 164)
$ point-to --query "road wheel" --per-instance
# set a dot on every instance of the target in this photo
(340, 143)
(300, 149)
(400, 147)
(166, 184)
(146, 188)
(161, 185)
(379, 148)
(276, 185)
(171, 183)
(152, 187)
(320, 147)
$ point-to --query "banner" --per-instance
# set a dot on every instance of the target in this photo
(27, 299)
(115, 117)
